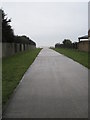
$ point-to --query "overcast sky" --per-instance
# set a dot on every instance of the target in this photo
(48, 23)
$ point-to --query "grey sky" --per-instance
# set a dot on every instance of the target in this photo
(48, 23)
(89, 15)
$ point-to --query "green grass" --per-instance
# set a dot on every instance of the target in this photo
(13, 68)
(79, 56)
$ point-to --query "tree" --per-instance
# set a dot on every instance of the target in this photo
(67, 43)
(57, 45)
(8, 34)
(7, 31)
(23, 40)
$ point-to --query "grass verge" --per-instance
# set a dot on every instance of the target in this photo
(79, 56)
(13, 68)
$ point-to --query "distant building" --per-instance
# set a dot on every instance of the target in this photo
(89, 34)
(83, 38)
(84, 42)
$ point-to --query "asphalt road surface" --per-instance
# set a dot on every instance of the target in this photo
(54, 86)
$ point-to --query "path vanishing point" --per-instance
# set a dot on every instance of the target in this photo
(54, 86)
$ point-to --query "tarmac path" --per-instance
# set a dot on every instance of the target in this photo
(54, 86)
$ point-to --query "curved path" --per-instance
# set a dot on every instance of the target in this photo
(53, 87)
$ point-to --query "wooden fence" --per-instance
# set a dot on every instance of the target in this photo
(9, 49)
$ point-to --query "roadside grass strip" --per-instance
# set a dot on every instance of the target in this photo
(13, 69)
(79, 56)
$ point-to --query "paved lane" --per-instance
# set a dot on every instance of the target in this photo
(53, 87)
